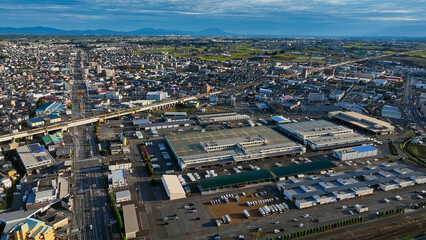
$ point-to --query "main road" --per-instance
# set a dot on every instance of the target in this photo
(92, 212)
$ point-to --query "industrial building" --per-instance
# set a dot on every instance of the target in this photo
(49, 108)
(355, 152)
(202, 149)
(244, 179)
(165, 125)
(390, 112)
(323, 135)
(361, 121)
(294, 170)
(131, 223)
(34, 157)
(280, 119)
(45, 120)
(203, 120)
(173, 187)
(340, 186)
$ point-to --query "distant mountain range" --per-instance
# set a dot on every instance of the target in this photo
(142, 31)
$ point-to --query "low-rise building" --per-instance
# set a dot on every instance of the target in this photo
(117, 179)
(131, 223)
(119, 164)
(34, 157)
(173, 187)
(123, 196)
(355, 152)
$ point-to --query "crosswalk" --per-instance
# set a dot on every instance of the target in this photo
(331, 217)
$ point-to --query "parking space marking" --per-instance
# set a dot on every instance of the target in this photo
(144, 220)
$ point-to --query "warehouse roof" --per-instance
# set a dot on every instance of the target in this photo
(302, 168)
(233, 179)
(189, 143)
(364, 148)
(173, 184)
(131, 223)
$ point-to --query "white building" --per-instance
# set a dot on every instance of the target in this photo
(117, 179)
(157, 96)
(355, 152)
(173, 187)
(34, 157)
(123, 196)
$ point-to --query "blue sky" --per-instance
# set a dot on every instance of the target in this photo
(253, 17)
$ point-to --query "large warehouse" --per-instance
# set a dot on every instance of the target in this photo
(173, 187)
(355, 152)
(363, 122)
(323, 135)
(201, 149)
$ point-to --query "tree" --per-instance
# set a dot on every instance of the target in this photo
(40, 102)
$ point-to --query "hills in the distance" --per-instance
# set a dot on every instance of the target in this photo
(142, 31)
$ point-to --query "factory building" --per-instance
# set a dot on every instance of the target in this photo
(390, 112)
(34, 157)
(355, 152)
(323, 135)
(361, 121)
(217, 148)
(173, 187)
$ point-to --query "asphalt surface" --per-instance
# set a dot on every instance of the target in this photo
(92, 211)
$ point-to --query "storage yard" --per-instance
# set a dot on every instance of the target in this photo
(235, 209)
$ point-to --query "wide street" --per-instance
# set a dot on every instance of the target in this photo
(92, 211)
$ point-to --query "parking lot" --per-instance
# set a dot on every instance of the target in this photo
(235, 209)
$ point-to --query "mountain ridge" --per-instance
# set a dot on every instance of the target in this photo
(142, 31)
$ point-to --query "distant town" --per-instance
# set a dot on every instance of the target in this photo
(186, 137)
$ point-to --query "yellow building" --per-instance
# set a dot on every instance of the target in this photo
(33, 229)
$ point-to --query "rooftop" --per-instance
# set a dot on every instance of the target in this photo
(233, 179)
(131, 223)
(188, 144)
(302, 168)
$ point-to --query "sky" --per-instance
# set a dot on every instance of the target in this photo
(395, 18)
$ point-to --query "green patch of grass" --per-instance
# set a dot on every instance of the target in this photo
(417, 150)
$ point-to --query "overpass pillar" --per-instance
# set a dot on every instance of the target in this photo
(29, 137)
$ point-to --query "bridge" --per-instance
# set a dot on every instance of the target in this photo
(64, 126)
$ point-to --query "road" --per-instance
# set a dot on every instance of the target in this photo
(92, 212)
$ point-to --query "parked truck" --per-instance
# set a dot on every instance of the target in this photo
(246, 213)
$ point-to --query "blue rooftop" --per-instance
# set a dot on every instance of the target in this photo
(364, 148)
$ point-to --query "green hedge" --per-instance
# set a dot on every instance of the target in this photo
(149, 169)
(116, 212)
(391, 212)
(393, 148)
(322, 228)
